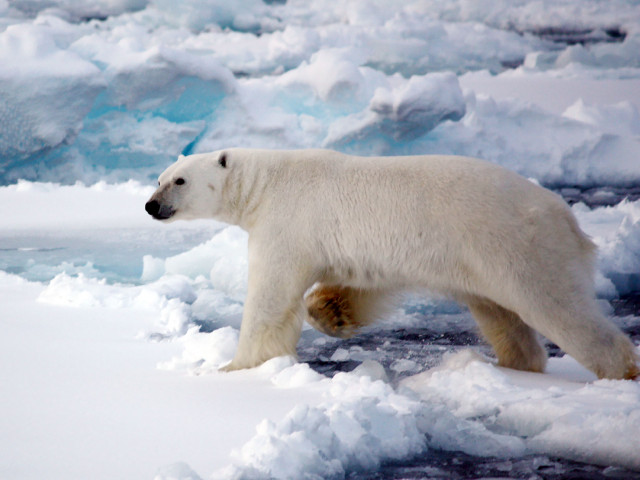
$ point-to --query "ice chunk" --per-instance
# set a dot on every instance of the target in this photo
(404, 365)
(296, 375)
(616, 231)
(361, 424)
(174, 319)
(80, 291)
(244, 15)
(153, 103)
(204, 352)
(330, 74)
(173, 286)
(152, 268)
(555, 150)
(402, 112)
(45, 92)
(340, 355)
(575, 54)
(223, 259)
(142, 75)
(618, 119)
(371, 369)
(270, 53)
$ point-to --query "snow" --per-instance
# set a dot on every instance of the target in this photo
(82, 390)
(556, 412)
(115, 326)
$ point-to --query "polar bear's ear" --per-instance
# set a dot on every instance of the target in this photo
(222, 160)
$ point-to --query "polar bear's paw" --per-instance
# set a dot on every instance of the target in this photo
(331, 312)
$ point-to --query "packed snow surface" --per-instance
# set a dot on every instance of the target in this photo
(114, 326)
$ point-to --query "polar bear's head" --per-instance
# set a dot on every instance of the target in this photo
(190, 188)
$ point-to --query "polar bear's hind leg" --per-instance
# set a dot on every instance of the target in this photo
(516, 344)
(584, 333)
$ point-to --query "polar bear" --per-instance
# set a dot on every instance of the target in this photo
(351, 232)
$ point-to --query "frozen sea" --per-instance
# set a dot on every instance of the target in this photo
(114, 326)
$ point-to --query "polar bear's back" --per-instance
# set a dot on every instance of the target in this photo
(400, 194)
(442, 179)
(387, 220)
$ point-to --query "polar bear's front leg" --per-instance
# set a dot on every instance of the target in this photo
(266, 334)
(273, 314)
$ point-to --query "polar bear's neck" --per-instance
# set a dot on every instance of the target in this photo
(243, 190)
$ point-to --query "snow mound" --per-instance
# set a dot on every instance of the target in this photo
(223, 259)
(361, 423)
(403, 112)
(554, 413)
(204, 352)
(622, 117)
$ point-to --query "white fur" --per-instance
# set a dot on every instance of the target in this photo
(468, 228)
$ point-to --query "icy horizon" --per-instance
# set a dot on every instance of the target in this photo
(115, 90)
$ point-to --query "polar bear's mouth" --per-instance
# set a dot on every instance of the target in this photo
(158, 211)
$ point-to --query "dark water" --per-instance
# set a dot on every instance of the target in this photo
(582, 36)
(458, 466)
(599, 196)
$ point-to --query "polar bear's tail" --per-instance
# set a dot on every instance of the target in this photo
(586, 246)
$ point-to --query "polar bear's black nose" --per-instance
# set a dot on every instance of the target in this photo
(152, 207)
(158, 210)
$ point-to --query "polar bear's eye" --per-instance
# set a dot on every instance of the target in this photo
(180, 181)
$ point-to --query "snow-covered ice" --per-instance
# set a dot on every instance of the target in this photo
(124, 91)
(114, 326)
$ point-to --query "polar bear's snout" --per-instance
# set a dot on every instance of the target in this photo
(159, 211)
